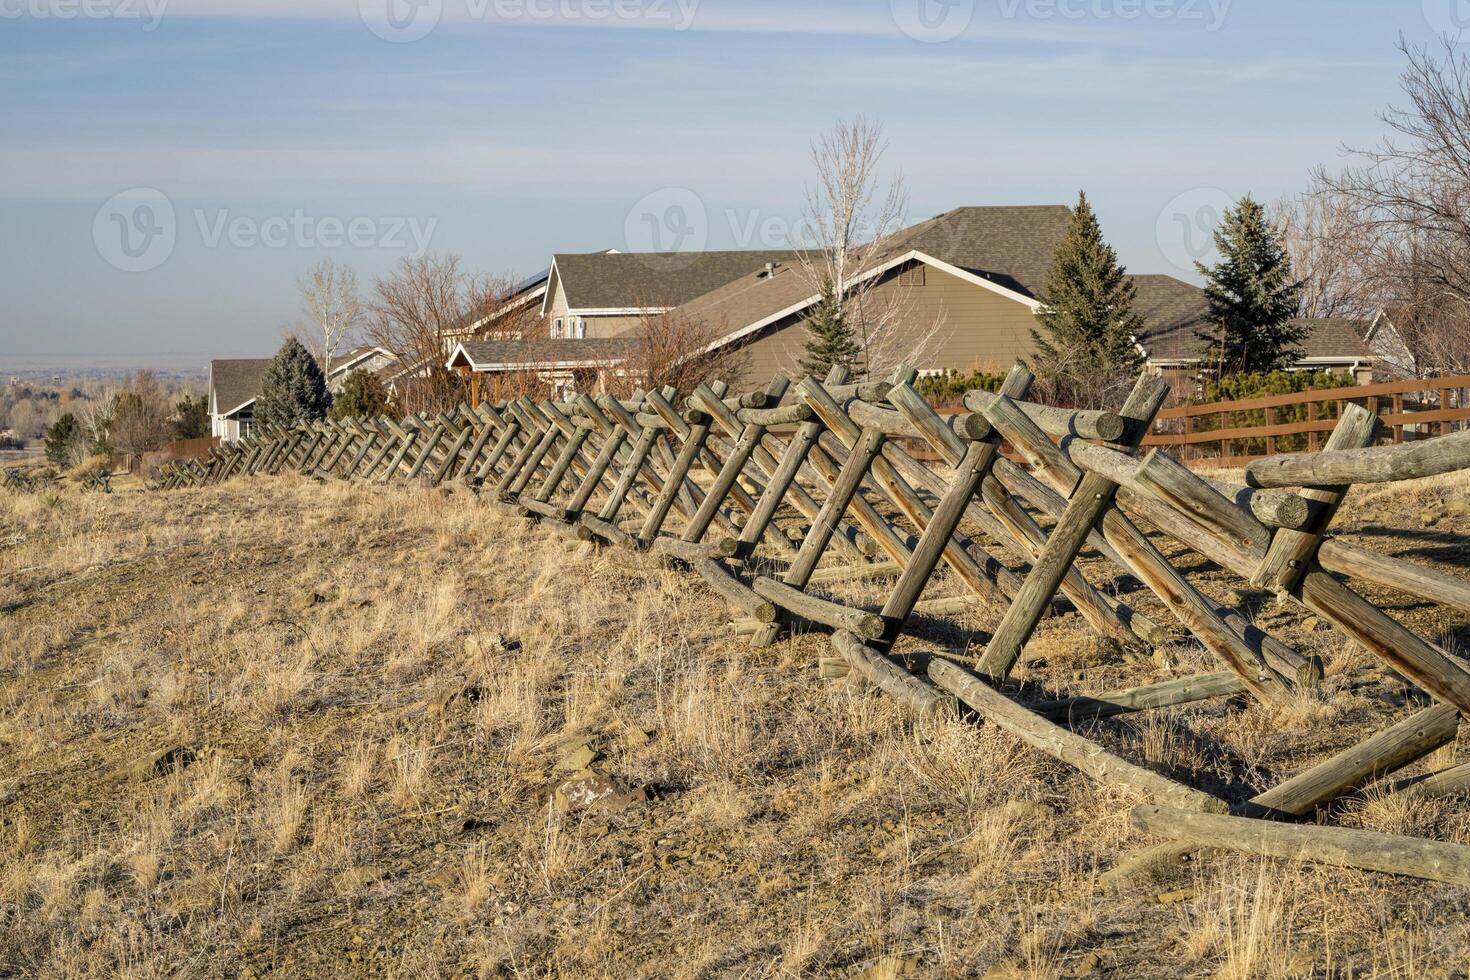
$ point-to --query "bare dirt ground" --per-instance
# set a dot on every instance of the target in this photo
(279, 728)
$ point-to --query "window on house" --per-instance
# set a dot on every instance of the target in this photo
(581, 327)
(556, 328)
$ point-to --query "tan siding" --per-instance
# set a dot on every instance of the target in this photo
(977, 328)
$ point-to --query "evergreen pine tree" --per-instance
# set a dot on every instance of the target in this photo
(294, 389)
(1253, 296)
(362, 395)
(1086, 317)
(61, 437)
(829, 337)
(191, 417)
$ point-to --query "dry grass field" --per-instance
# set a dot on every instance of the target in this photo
(279, 728)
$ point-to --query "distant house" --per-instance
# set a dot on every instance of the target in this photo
(964, 284)
(1174, 317)
(235, 383)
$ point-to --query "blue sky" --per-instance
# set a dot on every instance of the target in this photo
(234, 143)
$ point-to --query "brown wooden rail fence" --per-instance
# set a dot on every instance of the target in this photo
(1233, 432)
(774, 497)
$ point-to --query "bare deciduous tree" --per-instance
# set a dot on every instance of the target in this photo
(416, 307)
(672, 348)
(329, 296)
(850, 217)
(424, 308)
(1408, 206)
(143, 414)
(1318, 229)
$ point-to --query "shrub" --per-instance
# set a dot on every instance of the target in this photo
(1246, 386)
(949, 387)
(294, 389)
(61, 439)
(361, 396)
(191, 417)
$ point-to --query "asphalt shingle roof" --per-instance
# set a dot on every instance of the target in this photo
(236, 381)
(637, 280)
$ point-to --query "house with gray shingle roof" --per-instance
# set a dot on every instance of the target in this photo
(235, 383)
(965, 284)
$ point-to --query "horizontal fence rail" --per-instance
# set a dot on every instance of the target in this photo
(1232, 432)
(778, 498)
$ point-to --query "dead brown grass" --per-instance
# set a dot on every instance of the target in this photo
(282, 728)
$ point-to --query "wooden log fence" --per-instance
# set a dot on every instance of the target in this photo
(1226, 433)
(777, 498)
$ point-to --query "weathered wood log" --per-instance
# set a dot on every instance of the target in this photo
(612, 445)
(530, 506)
(839, 617)
(621, 491)
(1173, 483)
(1106, 426)
(1380, 464)
(1337, 846)
(724, 584)
(1243, 649)
(1401, 648)
(1355, 767)
(844, 491)
(767, 417)
(1420, 581)
(908, 689)
(938, 536)
(569, 453)
(504, 444)
(1090, 501)
(1447, 782)
(1130, 630)
(1291, 552)
(1059, 743)
(693, 553)
(595, 528)
(977, 576)
(846, 537)
(1164, 694)
(726, 479)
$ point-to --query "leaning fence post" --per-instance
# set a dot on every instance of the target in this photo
(1291, 552)
(1091, 499)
